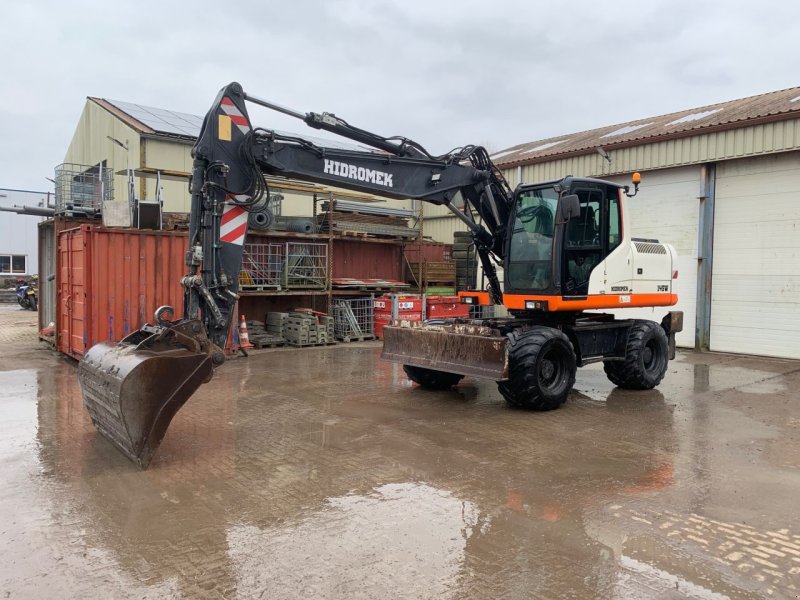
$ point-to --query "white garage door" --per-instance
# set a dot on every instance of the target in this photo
(755, 293)
(667, 209)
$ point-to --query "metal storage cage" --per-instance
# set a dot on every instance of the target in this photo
(306, 266)
(262, 267)
(482, 312)
(82, 189)
(353, 319)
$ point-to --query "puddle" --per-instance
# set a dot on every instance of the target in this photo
(404, 540)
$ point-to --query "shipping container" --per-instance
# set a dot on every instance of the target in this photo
(47, 271)
(110, 282)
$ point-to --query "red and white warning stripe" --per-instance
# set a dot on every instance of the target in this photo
(235, 114)
(234, 224)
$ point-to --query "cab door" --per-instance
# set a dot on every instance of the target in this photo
(590, 236)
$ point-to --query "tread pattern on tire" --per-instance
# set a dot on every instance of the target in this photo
(630, 374)
(521, 390)
(432, 379)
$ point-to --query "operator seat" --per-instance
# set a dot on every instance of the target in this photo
(583, 230)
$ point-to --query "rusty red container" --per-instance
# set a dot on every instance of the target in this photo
(443, 307)
(110, 281)
(409, 308)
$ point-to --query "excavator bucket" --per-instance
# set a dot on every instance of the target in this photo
(454, 348)
(132, 390)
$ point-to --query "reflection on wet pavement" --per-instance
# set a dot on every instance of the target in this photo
(404, 540)
(325, 474)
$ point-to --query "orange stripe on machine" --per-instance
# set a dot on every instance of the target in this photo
(600, 301)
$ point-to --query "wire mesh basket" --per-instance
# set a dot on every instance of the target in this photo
(306, 266)
(262, 267)
(353, 319)
(82, 188)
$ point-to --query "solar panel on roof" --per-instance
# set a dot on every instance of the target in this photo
(177, 123)
(161, 120)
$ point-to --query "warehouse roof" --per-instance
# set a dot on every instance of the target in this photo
(774, 106)
(184, 127)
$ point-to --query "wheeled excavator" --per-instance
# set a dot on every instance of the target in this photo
(565, 247)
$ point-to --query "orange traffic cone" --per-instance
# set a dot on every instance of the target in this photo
(244, 337)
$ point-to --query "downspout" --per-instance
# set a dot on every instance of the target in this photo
(705, 256)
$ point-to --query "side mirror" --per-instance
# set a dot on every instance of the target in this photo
(569, 207)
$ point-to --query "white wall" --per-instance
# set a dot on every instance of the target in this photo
(19, 233)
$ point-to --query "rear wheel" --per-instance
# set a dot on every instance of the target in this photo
(646, 358)
(541, 369)
(431, 379)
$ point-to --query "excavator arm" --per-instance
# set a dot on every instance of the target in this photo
(133, 389)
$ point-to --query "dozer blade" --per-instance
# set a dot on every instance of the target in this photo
(132, 391)
(460, 348)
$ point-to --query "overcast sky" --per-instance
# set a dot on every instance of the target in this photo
(445, 73)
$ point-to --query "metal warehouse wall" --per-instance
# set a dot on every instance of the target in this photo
(18, 233)
(90, 145)
(754, 140)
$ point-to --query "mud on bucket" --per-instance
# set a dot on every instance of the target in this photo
(132, 392)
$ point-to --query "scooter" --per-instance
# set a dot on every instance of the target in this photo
(27, 295)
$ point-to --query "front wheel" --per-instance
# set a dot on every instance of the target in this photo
(541, 369)
(431, 379)
(646, 358)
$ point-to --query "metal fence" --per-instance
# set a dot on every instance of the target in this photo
(82, 188)
(353, 319)
(289, 265)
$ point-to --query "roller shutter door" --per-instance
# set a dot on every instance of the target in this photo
(667, 209)
(755, 294)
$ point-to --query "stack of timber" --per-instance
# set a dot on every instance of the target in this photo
(308, 329)
(440, 272)
(261, 337)
(362, 220)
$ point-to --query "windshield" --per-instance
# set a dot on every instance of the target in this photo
(530, 256)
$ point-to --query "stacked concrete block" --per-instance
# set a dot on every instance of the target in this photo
(262, 337)
(276, 323)
(304, 329)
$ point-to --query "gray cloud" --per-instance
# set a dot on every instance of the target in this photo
(445, 73)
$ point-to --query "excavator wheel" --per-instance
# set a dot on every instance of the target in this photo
(646, 358)
(541, 369)
(430, 379)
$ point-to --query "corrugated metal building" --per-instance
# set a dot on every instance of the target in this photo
(18, 233)
(722, 184)
(120, 135)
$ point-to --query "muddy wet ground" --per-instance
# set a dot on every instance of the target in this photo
(324, 473)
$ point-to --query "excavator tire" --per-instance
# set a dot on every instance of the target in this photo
(541, 369)
(430, 379)
(646, 358)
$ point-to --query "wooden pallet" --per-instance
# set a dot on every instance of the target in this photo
(259, 344)
(306, 345)
(356, 338)
(259, 288)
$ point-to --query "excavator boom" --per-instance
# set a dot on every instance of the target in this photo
(133, 389)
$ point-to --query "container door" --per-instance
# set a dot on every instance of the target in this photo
(71, 292)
